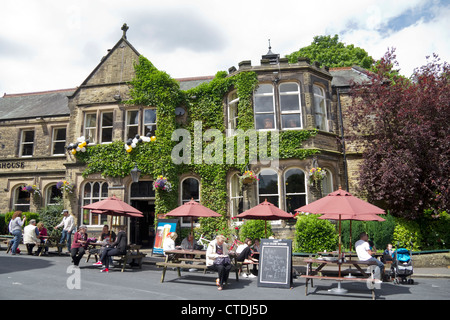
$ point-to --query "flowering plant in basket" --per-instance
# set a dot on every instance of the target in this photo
(316, 174)
(248, 177)
(31, 188)
(161, 183)
(65, 186)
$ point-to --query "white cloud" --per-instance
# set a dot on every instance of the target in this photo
(56, 44)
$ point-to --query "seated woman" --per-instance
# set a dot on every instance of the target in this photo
(244, 253)
(79, 245)
(217, 259)
(117, 248)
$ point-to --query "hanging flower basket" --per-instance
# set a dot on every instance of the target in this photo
(32, 188)
(248, 177)
(161, 183)
(316, 174)
(65, 186)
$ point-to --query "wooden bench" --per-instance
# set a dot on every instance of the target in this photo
(182, 264)
(367, 280)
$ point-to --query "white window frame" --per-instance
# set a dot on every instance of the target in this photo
(90, 132)
(232, 112)
(26, 143)
(15, 198)
(235, 195)
(141, 124)
(268, 113)
(104, 127)
(290, 112)
(48, 194)
(295, 193)
(322, 107)
(55, 140)
(85, 200)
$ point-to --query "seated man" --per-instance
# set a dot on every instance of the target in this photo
(119, 247)
(365, 254)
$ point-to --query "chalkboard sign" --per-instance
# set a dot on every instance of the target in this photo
(275, 263)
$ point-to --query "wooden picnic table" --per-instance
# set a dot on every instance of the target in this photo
(313, 272)
(179, 259)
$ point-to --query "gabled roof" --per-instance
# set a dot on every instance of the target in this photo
(36, 104)
(345, 76)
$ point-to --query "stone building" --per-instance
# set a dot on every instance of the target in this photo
(36, 128)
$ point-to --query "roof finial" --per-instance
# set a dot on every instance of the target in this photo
(124, 29)
(270, 47)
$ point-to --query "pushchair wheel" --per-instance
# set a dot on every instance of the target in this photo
(410, 281)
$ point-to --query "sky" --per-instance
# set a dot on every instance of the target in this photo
(55, 44)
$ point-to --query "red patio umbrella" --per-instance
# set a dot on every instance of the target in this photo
(192, 209)
(265, 211)
(342, 205)
(114, 207)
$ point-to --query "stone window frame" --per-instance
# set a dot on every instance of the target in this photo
(141, 125)
(296, 193)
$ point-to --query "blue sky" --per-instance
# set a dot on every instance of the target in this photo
(54, 44)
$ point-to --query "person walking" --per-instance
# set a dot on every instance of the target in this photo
(15, 228)
(68, 225)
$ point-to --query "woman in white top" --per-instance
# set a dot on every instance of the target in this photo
(15, 228)
(169, 242)
(218, 250)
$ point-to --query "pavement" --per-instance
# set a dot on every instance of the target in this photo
(435, 272)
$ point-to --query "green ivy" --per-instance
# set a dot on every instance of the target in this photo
(204, 103)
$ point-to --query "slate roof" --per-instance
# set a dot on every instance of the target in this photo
(36, 104)
(343, 77)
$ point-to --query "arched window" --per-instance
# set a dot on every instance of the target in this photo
(92, 192)
(236, 197)
(52, 194)
(320, 108)
(327, 183)
(190, 190)
(268, 186)
(21, 200)
(295, 189)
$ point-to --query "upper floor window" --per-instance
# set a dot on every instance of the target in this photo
(284, 112)
(264, 107)
(140, 122)
(90, 127)
(58, 141)
(26, 143)
(320, 108)
(233, 101)
(106, 127)
(290, 105)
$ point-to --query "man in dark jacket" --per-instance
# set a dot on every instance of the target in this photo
(119, 247)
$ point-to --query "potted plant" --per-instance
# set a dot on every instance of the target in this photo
(161, 183)
(65, 186)
(316, 175)
(248, 177)
(32, 188)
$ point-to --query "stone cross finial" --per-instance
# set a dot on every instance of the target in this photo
(124, 29)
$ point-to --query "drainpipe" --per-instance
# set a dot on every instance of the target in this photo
(342, 139)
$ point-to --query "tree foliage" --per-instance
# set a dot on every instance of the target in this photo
(406, 124)
(329, 51)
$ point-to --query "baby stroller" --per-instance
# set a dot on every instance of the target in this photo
(401, 267)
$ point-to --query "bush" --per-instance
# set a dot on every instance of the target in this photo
(29, 215)
(314, 235)
(407, 234)
(51, 217)
(255, 229)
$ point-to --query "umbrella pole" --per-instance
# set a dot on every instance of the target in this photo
(265, 227)
(339, 290)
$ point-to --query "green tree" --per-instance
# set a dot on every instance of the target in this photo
(329, 51)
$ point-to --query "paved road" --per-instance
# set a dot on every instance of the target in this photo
(28, 277)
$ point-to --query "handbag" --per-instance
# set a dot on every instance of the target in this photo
(222, 261)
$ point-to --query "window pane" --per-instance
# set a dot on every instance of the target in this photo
(150, 116)
(264, 88)
(264, 104)
(191, 189)
(91, 120)
(96, 191)
(104, 190)
(28, 136)
(291, 120)
(264, 121)
(107, 134)
(142, 189)
(27, 149)
(272, 199)
(60, 134)
(150, 129)
(133, 117)
(107, 119)
(268, 182)
(288, 87)
(294, 202)
(295, 181)
(289, 102)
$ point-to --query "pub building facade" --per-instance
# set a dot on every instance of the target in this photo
(36, 129)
